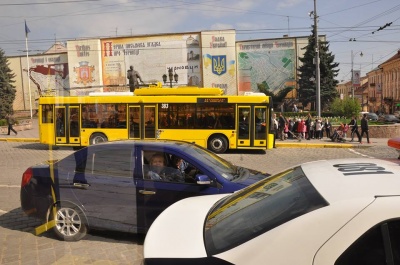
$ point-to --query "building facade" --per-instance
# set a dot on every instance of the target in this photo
(201, 59)
(384, 86)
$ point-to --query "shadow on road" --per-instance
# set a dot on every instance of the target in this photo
(17, 220)
(38, 146)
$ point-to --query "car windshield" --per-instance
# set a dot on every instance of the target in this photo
(222, 166)
(258, 209)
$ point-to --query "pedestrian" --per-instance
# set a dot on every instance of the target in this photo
(286, 131)
(308, 125)
(328, 127)
(354, 129)
(318, 128)
(10, 121)
(274, 127)
(281, 126)
(312, 130)
(304, 129)
(364, 128)
(290, 127)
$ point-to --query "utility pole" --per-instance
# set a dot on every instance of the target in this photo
(317, 74)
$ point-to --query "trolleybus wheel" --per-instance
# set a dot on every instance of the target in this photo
(217, 144)
(97, 138)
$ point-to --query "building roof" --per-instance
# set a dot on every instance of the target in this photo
(393, 58)
(57, 47)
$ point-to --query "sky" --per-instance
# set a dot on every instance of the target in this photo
(352, 28)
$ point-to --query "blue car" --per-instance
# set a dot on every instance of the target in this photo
(119, 186)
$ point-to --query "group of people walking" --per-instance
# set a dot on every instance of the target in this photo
(314, 128)
(364, 128)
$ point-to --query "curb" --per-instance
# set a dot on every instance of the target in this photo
(31, 140)
(312, 145)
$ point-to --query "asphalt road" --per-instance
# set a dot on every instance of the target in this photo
(20, 246)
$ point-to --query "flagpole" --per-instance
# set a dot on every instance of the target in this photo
(27, 62)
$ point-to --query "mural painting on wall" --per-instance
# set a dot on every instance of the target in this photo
(219, 69)
(49, 73)
(84, 73)
(84, 63)
(151, 57)
(266, 64)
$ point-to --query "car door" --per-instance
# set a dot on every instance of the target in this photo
(364, 239)
(155, 196)
(103, 184)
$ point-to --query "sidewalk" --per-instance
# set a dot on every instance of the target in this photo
(327, 143)
(32, 135)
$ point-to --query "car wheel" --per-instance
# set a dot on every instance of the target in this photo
(69, 224)
(97, 138)
(217, 144)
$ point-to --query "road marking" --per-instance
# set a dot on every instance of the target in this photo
(358, 153)
(10, 186)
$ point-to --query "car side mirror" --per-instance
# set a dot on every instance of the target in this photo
(203, 180)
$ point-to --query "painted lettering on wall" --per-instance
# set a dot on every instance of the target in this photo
(44, 60)
(267, 45)
(223, 86)
(82, 50)
(119, 49)
(218, 42)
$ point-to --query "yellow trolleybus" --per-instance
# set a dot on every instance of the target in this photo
(200, 115)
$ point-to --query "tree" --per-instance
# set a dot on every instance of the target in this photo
(328, 72)
(346, 107)
(7, 89)
(276, 99)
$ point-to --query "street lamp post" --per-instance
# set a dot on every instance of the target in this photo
(171, 77)
(352, 71)
(316, 61)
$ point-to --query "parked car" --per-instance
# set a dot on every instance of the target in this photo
(395, 143)
(108, 186)
(324, 212)
(389, 118)
(372, 116)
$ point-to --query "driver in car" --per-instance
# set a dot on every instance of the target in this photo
(160, 171)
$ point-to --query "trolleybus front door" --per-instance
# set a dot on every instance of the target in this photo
(60, 127)
(149, 119)
(252, 126)
(74, 125)
(261, 125)
(142, 122)
(244, 126)
(135, 121)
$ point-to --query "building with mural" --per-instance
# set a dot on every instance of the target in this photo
(48, 75)
(201, 59)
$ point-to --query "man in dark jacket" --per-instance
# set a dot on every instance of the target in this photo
(354, 129)
(10, 122)
(364, 128)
